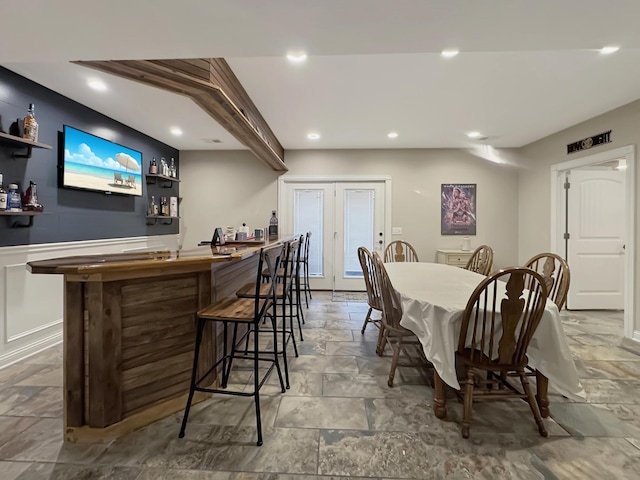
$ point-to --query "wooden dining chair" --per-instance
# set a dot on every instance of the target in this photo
(481, 260)
(400, 251)
(374, 298)
(557, 276)
(400, 338)
(555, 271)
(495, 334)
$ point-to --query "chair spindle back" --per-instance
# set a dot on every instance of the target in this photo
(497, 328)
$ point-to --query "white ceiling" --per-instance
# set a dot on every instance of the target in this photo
(526, 69)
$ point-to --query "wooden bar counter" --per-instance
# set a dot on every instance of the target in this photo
(129, 332)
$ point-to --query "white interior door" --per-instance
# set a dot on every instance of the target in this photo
(341, 216)
(596, 221)
(359, 221)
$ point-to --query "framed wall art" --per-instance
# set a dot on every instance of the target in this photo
(458, 212)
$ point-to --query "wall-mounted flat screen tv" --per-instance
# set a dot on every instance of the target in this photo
(94, 163)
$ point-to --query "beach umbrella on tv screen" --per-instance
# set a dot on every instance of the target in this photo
(127, 161)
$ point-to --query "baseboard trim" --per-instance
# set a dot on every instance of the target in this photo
(30, 350)
(91, 435)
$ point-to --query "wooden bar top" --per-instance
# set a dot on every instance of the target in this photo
(165, 259)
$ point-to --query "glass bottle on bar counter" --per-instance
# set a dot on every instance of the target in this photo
(30, 131)
(273, 224)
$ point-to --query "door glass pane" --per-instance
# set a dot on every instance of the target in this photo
(308, 213)
(358, 228)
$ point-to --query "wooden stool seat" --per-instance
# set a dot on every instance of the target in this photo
(249, 291)
(233, 309)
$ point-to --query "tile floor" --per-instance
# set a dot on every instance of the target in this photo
(340, 419)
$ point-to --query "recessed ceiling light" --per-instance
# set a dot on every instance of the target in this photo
(474, 134)
(176, 131)
(609, 50)
(392, 135)
(296, 57)
(313, 136)
(98, 85)
(450, 52)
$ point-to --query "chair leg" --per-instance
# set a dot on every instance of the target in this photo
(468, 405)
(194, 373)
(533, 404)
(256, 384)
(366, 320)
(382, 341)
(394, 361)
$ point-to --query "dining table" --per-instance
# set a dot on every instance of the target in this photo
(434, 297)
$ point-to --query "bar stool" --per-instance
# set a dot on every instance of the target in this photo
(241, 311)
(284, 294)
(304, 282)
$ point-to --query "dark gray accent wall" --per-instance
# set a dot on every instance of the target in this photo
(72, 215)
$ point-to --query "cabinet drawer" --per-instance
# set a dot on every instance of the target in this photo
(459, 260)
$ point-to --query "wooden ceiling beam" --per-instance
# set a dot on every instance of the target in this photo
(213, 86)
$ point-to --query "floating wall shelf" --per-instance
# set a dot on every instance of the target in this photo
(17, 224)
(18, 142)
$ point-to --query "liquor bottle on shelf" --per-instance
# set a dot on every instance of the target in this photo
(273, 224)
(3, 196)
(163, 166)
(153, 166)
(30, 131)
(164, 207)
(14, 201)
(172, 169)
(153, 208)
(30, 199)
(173, 206)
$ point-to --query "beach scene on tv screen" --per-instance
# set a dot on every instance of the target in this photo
(94, 163)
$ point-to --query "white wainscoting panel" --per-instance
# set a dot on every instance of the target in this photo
(31, 305)
(22, 292)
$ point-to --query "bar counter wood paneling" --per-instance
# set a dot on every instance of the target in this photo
(129, 330)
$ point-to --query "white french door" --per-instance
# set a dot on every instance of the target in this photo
(341, 217)
(359, 219)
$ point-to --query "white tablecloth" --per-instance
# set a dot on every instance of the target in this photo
(434, 297)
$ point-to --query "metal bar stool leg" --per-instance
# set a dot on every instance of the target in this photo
(194, 373)
(256, 386)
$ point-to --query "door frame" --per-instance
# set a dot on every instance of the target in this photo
(284, 179)
(557, 219)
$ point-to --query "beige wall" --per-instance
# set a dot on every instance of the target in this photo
(232, 187)
(535, 178)
(223, 188)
